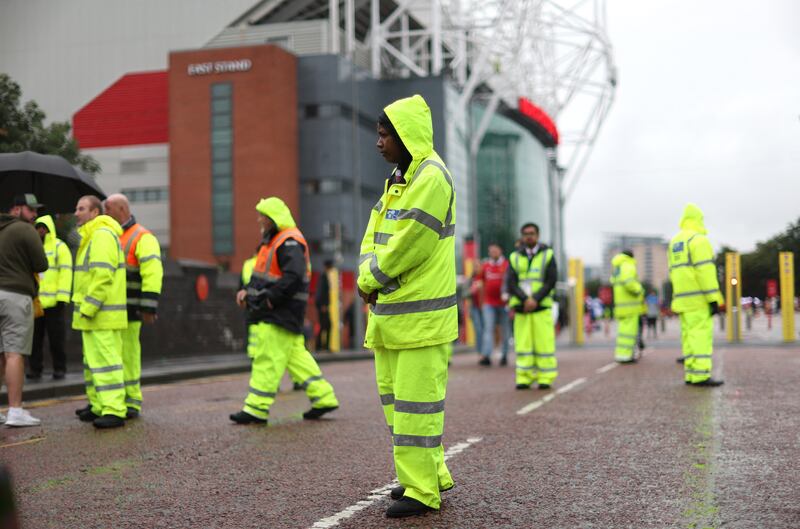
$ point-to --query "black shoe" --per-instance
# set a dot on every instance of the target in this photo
(629, 361)
(680, 359)
(641, 345)
(316, 413)
(406, 507)
(398, 492)
(88, 407)
(34, 377)
(87, 415)
(109, 421)
(243, 417)
(297, 386)
(59, 375)
(544, 386)
(710, 382)
(484, 361)
(504, 361)
(523, 386)
(132, 413)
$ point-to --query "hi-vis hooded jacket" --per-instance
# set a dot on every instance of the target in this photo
(56, 282)
(408, 249)
(99, 288)
(628, 292)
(691, 265)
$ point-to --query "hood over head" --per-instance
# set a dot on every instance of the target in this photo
(620, 259)
(411, 118)
(100, 221)
(692, 219)
(47, 220)
(278, 211)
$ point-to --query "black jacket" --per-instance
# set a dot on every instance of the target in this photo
(21, 256)
(550, 277)
(288, 296)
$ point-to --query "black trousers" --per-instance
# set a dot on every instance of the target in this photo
(53, 324)
(323, 338)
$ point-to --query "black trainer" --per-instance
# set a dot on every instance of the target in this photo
(523, 386)
(316, 413)
(628, 361)
(484, 361)
(87, 415)
(243, 417)
(109, 421)
(297, 386)
(88, 407)
(34, 377)
(59, 375)
(504, 361)
(406, 507)
(544, 386)
(132, 413)
(710, 382)
(398, 492)
(680, 359)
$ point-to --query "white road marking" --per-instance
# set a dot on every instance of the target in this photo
(379, 494)
(607, 367)
(547, 398)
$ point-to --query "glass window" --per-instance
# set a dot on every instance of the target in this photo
(220, 90)
(222, 121)
(220, 152)
(223, 136)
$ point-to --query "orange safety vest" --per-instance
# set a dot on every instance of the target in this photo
(128, 240)
(267, 268)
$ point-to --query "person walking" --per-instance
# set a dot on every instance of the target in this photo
(276, 298)
(695, 295)
(101, 313)
(653, 312)
(530, 281)
(628, 298)
(21, 257)
(493, 273)
(476, 306)
(407, 277)
(144, 275)
(55, 290)
(322, 300)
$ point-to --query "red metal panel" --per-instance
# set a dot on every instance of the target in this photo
(132, 111)
(538, 115)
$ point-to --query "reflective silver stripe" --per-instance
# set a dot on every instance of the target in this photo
(409, 307)
(407, 406)
(133, 301)
(381, 238)
(47, 294)
(380, 277)
(260, 393)
(113, 307)
(109, 387)
(102, 265)
(300, 296)
(132, 238)
(365, 257)
(132, 382)
(447, 177)
(93, 301)
(81, 268)
(133, 401)
(378, 206)
(707, 261)
(134, 285)
(66, 292)
(149, 258)
(673, 267)
(64, 267)
(426, 219)
(525, 368)
(422, 441)
(628, 304)
(544, 355)
(548, 369)
(309, 380)
(697, 372)
(387, 398)
(524, 354)
(621, 335)
(151, 303)
(390, 287)
(262, 410)
(694, 293)
(106, 369)
(698, 356)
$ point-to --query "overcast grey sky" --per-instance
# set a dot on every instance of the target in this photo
(707, 110)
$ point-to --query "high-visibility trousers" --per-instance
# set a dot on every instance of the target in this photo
(102, 371)
(132, 364)
(253, 344)
(697, 342)
(627, 334)
(535, 344)
(412, 384)
(275, 350)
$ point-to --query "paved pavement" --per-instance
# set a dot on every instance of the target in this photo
(608, 446)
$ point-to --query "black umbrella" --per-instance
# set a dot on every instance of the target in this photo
(56, 184)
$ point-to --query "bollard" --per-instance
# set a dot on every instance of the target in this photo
(733, 296)
(786, 270)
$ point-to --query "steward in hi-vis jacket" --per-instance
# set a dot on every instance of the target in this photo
(55, 289)
(695, 295)
(628, 302)
(101, 313)
(407, 276)
(531, 278)
(276, 298)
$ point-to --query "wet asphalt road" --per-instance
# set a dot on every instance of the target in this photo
(622, 446)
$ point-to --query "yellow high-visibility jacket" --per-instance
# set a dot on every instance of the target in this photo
(691, 265)
(56, 282)
(99, 288)
(628, 292)
(408, 249)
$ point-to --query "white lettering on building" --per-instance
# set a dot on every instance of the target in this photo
(205, 68)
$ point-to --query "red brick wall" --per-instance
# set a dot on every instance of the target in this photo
(265, 143)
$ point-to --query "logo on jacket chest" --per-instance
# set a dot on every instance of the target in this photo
(392, 214)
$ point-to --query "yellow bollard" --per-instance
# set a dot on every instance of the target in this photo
(786, 271)
(733, 296)
(575, 279)
(335, 337)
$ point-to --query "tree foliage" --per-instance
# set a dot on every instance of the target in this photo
(22, 128)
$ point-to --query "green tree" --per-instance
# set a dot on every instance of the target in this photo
(22, 128)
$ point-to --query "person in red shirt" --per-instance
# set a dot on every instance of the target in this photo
(494, 305)
(476, 298)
